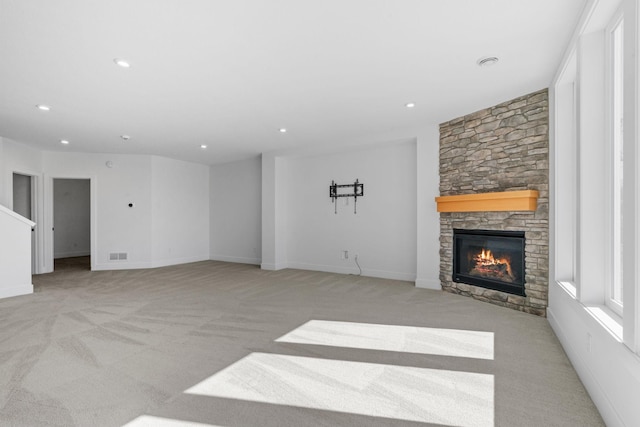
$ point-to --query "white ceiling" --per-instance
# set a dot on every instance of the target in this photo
(230, 73)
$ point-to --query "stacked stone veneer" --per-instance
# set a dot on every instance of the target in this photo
(502, 148)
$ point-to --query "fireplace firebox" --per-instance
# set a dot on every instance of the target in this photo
(490, 259)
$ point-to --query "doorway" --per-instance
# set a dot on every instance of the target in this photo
(71, 224)
(24, 203)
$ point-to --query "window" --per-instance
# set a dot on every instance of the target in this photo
(566, 171)
(615, 94)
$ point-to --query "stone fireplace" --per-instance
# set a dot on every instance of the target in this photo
(504, 148)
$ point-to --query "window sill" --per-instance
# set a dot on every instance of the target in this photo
(607, 318)
(569, 287)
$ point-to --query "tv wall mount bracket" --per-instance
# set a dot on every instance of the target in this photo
(334, 192)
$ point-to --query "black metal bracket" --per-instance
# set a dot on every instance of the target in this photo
(358, 191)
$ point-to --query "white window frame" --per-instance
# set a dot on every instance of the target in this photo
(614, 76)
(566, 183)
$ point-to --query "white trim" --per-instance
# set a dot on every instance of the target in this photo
(590, 381)
(125, 265)
(610, 162)
(429, 284)
(273, 267)
(35, 239)
(177, 261)
(633, 316)
(353, 269)
(631, 190)
(37, 208)
(235, 259)
(119, 265)
(564, 183)
(608, 319)
(15, 291)
(568, 287)
(585, 16)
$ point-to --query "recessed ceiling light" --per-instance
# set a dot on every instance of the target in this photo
(203, 146)
(64, 141)
(125, 137)
(409, 105)
(43, 107)
(487, 61)
(283, 130)
(122, 63)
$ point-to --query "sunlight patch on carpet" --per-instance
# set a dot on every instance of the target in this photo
(397, 392)
(151, 421)
(407, 339)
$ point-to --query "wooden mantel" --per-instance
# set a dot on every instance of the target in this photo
(525, 200)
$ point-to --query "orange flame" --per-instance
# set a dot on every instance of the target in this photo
(486, 258)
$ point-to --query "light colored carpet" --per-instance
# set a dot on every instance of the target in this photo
(222, 344)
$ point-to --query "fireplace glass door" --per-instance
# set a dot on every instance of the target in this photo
(490, 259)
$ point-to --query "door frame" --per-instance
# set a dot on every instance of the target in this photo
(36, 213)
(48, 219)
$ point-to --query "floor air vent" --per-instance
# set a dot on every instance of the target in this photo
(118, 256)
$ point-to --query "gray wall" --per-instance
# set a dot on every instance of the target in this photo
(71, 217)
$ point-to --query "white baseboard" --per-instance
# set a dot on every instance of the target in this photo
(273, 267)
(176, 261)
(429, 284)
(125, 265)
(597, 394)
(120, 265)
(236, 259)
(14, 291)
(382, 274)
